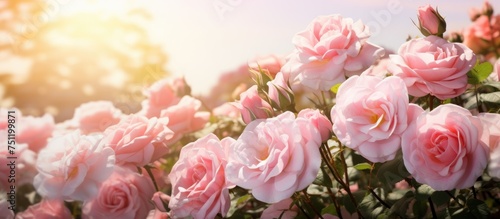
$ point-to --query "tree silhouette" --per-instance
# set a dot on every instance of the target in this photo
(80, 57)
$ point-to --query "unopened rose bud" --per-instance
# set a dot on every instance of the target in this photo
(280, 92)
(431, 22)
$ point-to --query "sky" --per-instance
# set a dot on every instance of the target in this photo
(205, 38)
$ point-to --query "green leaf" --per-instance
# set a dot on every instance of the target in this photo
(392, 172)
(330, 209)
(362, 166)
(335, 88)
(490, 97)
(479, 73)
(323, 179)
(478, 208)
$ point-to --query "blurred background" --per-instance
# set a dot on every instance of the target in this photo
(57, 54)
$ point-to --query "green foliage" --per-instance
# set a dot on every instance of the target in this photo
(479, 73)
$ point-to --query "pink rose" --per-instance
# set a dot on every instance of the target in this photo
(371, 114)
(379, 69)
(431, 22)
(283, 209)
(270, 63)
(160, 96)
(185, 117)
(432, 65)
(160, 200)
(280, 92)
(35, 131)
(252, 106)
(319, 121)
(24, 164)
(156, 214)
(329, 50)
(96, 116)
(72, 167)
(125, 194)
(199, 186)
(138, 140)
(483, 34)
(275, 157)
(46, 209)
(446, 148)
(4, 209)
(491, 122)
(227, 110)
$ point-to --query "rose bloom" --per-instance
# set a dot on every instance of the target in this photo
(432, 65)
(319, 121)
(480, 34)
(138, 140)
(252, 106)
(24, 164)
(46, 209)
(329, 50)
(199, 186)
(279, 92)
(160, 96)
(270, 63)
(227, 110)
(4, 209)
(283, 209)
(371, 114)
(446, 148)
(275, 157)
(491, 122)
(185, 117)
(96, 116)
(72, 167)
(125, 194)
(35, 131)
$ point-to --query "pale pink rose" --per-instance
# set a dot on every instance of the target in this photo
(185, 117)
(446, 148)
(35, 131)
(481, 35)
(371, 114)
(24, 164)
(96, 116)
(271, 63)
(329, 50)
(72, 167)
(402, 185)
(379, 69)
(4, 209)
(138, 140)
(283, 209)
(46, 209)
(320, 121)
(279, 91)
(275, 157)
(430, 21)
(199, 186)
(432, 65)
(160, 96)
(156, 214)
(160, 200)
(252, 106)
(125, 194)
(491, 122)
(495, 75)
(227, 110)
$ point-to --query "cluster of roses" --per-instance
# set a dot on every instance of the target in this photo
(114, 163)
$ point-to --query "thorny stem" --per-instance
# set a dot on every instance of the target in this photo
(433, 210)
(148, 169)
(346, 184)
(378, 198)
(454, 198)
(308, 201)
(334, 200)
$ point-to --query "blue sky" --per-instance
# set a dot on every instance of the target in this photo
(203, 42)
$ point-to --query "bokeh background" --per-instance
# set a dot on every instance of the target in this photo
(57, 54)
